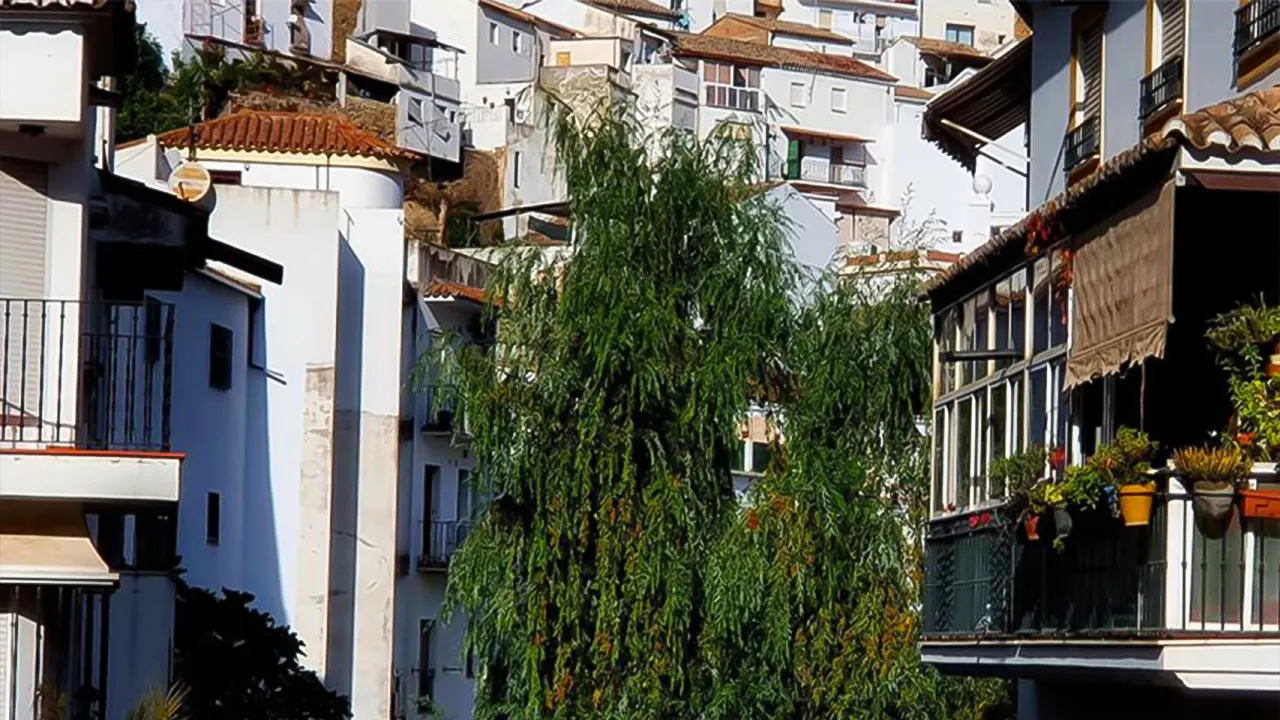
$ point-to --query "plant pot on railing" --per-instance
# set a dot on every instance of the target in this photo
(1135, 503)
(1214, 504)
(1261, 504)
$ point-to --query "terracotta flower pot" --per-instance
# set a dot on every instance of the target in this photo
(1032, 525)
(1135, 503)
(1261, 504)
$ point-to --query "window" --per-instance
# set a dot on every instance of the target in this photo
(426, 674)
(153, 545)
(563, 59)
(415, 111)
(515, 168)
(839, 100)
(824, 19)
(220, 349)
(430, 511)
(471, 664)
(962, 34)
(224, 177)
(1256, 49)
(732, 86)
(988, 409)
(213, 518)
(1086, 78)
(798, 95)
(495, 34)
(957, 236)
(517, 42)
(761, 456)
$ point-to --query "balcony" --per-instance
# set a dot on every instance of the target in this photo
(1083, 144)
(1110, 587)
(440, 541)
(1256, 22)
(821, 170)
(1161, 89)
(86, 399)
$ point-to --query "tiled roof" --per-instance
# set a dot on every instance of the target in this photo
(720, 48)
(947, 49)
(445, 289)
(525, 17)
(286, 132)
(908, 91)
(1249, 121)
(787, 27)
(643, 7)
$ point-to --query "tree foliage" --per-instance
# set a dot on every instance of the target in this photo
(617, 574)
(234, 661)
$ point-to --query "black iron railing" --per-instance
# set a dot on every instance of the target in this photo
(94, 375)
(1255, 22)
(1172, 577)
(1160, 88)
(440, 540)
(1082, 143)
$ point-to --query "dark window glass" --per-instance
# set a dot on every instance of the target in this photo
(220, 349)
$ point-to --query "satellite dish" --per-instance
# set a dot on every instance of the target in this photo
(190, 181)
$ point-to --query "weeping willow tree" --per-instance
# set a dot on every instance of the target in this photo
(616, 574)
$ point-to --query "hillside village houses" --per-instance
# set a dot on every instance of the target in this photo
(217, 370)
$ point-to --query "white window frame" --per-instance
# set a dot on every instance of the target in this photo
(959, 30)
(744, 97)
(799, 94)
(842, 106)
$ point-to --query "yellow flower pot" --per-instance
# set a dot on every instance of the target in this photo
(1135, 503)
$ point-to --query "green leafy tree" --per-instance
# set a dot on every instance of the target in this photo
(148, 105)
(234, 661)
(616, 574)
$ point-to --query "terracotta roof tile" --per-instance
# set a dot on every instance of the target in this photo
(720, 48)
(787, 27)
(948, 49)
(1249, 121)
(288, 132)
(525, 17)
(643, 7)
(915, 93)
(444, 289)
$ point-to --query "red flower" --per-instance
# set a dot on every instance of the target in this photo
(985, 519)
(1244, 438)
(753, 520)
(973, 521)
(1057, 458)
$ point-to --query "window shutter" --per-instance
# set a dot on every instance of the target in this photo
(793, 159)
(1091, 69)
(24, 209)
(1173, 14)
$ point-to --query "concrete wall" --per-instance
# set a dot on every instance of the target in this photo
(500, 62)
(140, 642)
(275, 17)
(56, 93)
(390, 15)
(1210, 63)
(992, 20)
(857, 21)
(1124, 64)
(1050, 100)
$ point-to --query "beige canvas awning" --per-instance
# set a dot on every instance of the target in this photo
(1123, 287)
(47, 543)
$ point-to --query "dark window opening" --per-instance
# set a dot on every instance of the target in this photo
(220, 349)
(224, 177)
(426, 674)
(213, 519)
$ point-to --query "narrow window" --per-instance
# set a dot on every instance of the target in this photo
(220, 348)
(213, 519)
(471, 664)
(839, 100)
(224, 177)
(797, 95)
(515, 169)
(824, 19)
(426, 674)
(957, 236)
(495, 34)
(517, 42)
(430, 543)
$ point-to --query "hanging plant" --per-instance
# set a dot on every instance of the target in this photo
(1039, 234)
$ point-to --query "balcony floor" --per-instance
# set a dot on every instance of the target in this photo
(57, 473)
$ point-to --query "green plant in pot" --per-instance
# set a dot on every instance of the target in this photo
(1016, 476)
(1125, 464)
(1213, 474)
(1047, 497)
(1246, 340)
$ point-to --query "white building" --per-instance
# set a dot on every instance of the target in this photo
(983, 24)
(314, 407)
(870, 25)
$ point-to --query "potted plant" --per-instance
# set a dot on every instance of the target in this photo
(1048, 497)
(1213, 475)
(1125, 465)
(1016, 476)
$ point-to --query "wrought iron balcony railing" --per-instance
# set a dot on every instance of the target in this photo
(1167, 579)
(1255, 22)
(95, 375)
(1082, 143)
(440, 540)
(1161, 88)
